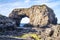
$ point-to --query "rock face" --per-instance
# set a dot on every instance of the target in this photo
(52, 33)
(6, 23)
(39, 15)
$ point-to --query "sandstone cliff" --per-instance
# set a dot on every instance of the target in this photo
(39, 15)
(42, 22)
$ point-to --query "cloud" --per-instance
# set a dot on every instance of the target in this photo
(6, 8)
(50, 3)
(41, 1)
(27, 1)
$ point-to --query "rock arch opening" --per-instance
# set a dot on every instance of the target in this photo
(39, 15)
(24, 21)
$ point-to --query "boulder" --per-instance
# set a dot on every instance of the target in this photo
(56, 29)
(39, 15)
(52, 33)
(6, 23)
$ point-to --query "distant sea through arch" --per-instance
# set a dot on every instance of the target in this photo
(24, 21)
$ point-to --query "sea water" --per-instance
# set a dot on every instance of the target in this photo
(22, 24)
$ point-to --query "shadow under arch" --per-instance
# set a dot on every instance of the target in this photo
(18, 20)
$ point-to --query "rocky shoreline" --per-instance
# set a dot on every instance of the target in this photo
(42, 22)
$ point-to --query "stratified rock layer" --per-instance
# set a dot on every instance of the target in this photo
(39, 15)
(6, 23)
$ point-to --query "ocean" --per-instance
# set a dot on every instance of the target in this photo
(22, 24)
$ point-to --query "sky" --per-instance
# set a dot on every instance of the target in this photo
(6, 6)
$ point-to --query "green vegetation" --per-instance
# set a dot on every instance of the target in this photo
(34, 36)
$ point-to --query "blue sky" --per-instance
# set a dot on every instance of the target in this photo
(6, 6)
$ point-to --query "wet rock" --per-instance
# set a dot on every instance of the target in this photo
(6, 23)
(42, 22)
(7, 38)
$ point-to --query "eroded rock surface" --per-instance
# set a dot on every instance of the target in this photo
(52, 33)
(6, 23)
(42, 18)
(39, 15)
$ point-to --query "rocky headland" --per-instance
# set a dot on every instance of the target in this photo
(43, 22)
